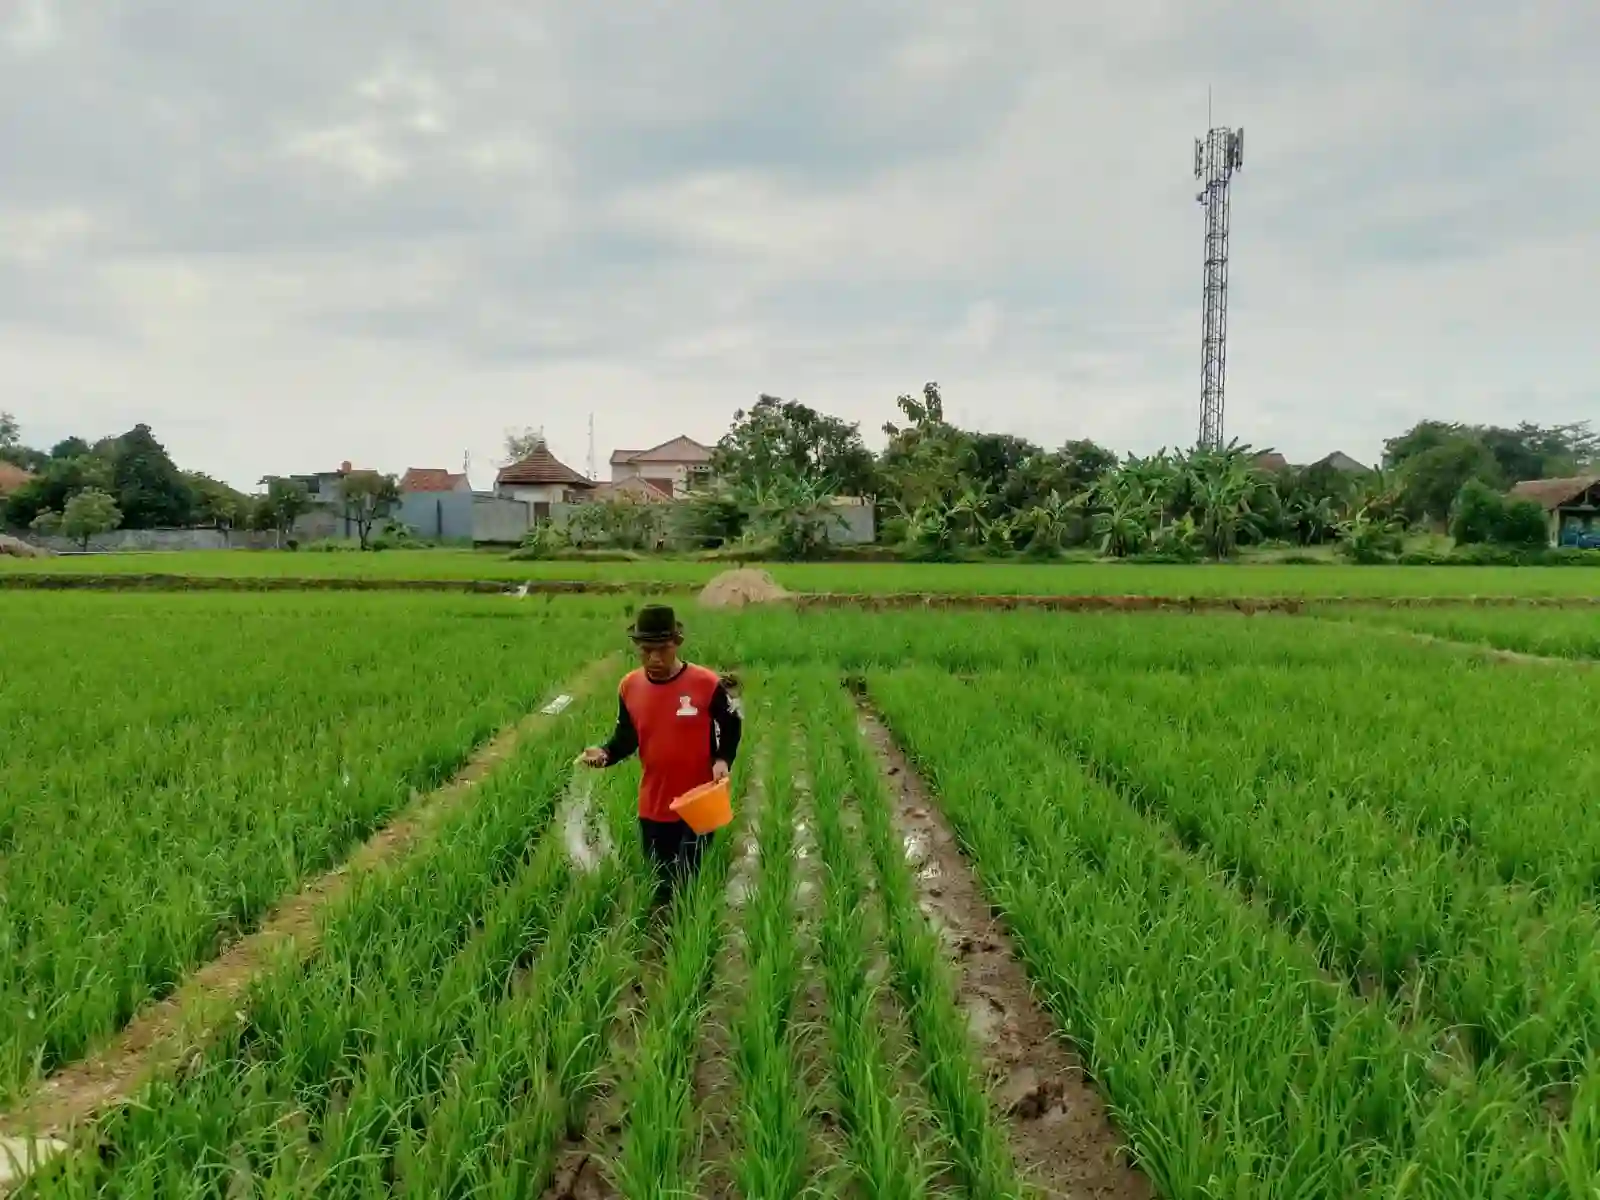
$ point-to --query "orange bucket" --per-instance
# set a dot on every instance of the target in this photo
(707, 807)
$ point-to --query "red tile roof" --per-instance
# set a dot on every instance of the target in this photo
(542, 467)
(12, 477)
(429, 479)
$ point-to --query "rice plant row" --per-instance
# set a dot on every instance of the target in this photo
(973, 1136)
(773, 1158)
(1236, 1067)
(175, 765)
(885, 1156)
(336, 1064)
(1306, 820)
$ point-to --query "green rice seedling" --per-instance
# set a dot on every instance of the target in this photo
(373, 1019)
(1580, 1135)
(1234, 1065)
(772, 1116)
(176, 764)
(656, 1159)
(884, 1157)
(524, 1083)
(952, 1075)
(1428, 918)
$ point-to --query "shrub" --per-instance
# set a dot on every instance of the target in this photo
(1523, 523)
(1477, 515)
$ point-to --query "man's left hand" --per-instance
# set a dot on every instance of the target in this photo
(719, 770)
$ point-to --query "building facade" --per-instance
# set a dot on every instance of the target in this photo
(676, 467)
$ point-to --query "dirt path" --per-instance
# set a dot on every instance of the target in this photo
(1479, 649)
(179, 1026)
(1059, 1130)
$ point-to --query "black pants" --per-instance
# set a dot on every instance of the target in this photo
(674, 850)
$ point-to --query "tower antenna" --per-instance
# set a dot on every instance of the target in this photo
(1216, 157)
(592, 474)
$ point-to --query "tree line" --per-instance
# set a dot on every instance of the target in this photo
(944, 491)
(81, 489)
(940, 491)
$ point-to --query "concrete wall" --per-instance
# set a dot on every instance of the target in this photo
(465, 517)
(163, 539)
(437, 516)
(497, 519)
(857, 525)
(320, 523)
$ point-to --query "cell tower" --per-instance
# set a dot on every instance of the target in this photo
(1216, 157)
(592, 473)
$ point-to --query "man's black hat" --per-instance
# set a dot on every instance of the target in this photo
(656, 625)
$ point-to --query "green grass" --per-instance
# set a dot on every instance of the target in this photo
(1243, 579)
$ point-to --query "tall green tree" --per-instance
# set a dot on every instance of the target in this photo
(148, 486)
(58, 482)
(779, 439)
(286, 500)
(368, 496)
(71, 447)
(11, 448)
(1431, 480)
(88, 513)
(215, 503)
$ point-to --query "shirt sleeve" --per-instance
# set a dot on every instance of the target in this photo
(727, 723)
(624, 738)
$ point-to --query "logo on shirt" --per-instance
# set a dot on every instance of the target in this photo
(686, 707)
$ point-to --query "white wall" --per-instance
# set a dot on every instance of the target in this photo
(545, 493)
(678, 473)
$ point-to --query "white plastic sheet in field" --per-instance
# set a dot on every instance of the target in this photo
(556, 705)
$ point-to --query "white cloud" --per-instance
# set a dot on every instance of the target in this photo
(385, 230)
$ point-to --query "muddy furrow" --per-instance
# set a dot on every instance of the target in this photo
(1059, 1130)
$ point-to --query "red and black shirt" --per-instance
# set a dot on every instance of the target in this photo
(679, 727)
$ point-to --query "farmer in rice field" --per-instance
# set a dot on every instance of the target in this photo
(685, 723)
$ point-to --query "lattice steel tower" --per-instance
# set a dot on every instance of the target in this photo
(1216, 158)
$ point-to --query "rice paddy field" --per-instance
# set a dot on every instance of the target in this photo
(1006, 579)
(1013, 904)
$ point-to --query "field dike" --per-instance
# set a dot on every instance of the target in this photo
(1059, 1132)
(176, 1028)
(1475, 649)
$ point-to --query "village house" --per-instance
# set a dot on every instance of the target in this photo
(433, 479)
(1572, 507)
(540, 480)
(440, 505)
(675, 467)
(326, 517)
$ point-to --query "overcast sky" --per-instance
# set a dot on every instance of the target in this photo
(290, 233)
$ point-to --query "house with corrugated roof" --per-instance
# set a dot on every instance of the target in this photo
(676, 467)
(540, 480)
(1572, 506)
